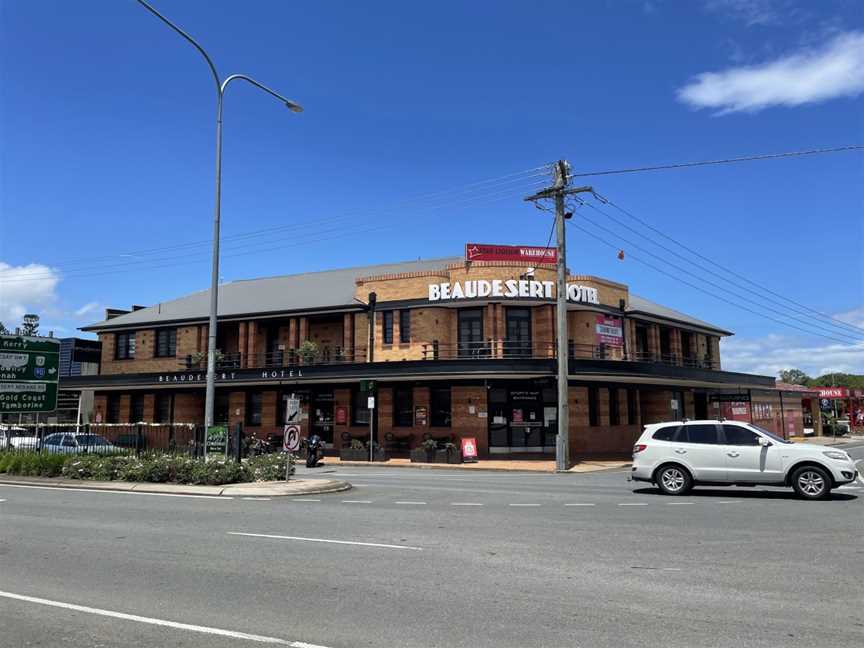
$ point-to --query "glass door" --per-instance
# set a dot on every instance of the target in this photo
(518, 342)
(471, 333)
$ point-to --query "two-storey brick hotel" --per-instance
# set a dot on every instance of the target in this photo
(456, 348)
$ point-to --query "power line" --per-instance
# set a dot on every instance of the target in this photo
(716, 285)
(749, 158)
(807, 310)
(840, 330)
(482, 185)
(708, 292)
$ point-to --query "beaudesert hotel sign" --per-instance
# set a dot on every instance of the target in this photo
(509, 289)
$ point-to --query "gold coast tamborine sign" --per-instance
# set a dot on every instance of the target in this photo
(29, 371)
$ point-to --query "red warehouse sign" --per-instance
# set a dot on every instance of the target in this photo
(519, 253)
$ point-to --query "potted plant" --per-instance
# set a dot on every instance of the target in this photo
(454, 453)
(425, 452)
(355, 452)
(308, 352)
(378, 453)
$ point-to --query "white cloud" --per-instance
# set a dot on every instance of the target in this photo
(26, 289)
(771, 354)
(751, 12)
(808, 76)
(90, 307)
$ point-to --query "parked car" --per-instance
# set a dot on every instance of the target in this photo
(679, 455)
(68, 443)
(16, 438)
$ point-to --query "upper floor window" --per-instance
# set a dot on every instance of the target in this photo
(387, 326)
(124, 346)
(518, 341)
(404, 326)
(470, 332)
(166, 343)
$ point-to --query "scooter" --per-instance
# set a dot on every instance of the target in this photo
(314, 451)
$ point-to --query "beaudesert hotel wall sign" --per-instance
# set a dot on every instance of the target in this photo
(509, 289)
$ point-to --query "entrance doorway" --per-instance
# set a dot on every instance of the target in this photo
(522, 419)
(321, 415)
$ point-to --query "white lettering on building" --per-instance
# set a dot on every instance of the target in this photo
(510, 289)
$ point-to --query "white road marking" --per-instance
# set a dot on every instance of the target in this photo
(258, 499)
(417, 503)
(115, 492)
(344, 542)
(838, 488)
(633, 504)
(465, 504)
(729, 502)
(160, 622)
(523, 505)
(297, 499)
(2, 500)
(356, 501)
(579, 504)
(679, 503)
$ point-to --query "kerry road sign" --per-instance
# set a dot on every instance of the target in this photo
(29, 372)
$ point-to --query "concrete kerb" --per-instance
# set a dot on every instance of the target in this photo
(290, 488)
(580, 467)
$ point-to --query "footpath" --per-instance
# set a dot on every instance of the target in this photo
(293, 487)
(507, 465)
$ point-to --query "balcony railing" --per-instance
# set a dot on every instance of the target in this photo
(544, 350)
(273, 359)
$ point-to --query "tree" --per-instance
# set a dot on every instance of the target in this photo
(794, 377)
(3, 329)
(30, 325)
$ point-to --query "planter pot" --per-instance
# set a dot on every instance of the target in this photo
(454, 457)
(352, 454)
(421, 455)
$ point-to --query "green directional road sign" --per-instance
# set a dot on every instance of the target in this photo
(29, 372)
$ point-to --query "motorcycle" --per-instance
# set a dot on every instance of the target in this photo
(314, 451)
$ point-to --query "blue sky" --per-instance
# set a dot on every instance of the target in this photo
(106, 120)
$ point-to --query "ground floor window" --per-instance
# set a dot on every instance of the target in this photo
(136, 408)
(164, 408)
(614, 407)
(112, 413)
(403, 406)
(221, 408)
(359, 407)
(254, 402)
(632, 414)
(593, 407)
(439, 403)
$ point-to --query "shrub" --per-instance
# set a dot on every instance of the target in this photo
(270, 467)
(33, 464)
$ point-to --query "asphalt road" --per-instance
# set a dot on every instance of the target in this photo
(435, 558)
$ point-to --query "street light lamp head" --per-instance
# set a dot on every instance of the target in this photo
(294, 107)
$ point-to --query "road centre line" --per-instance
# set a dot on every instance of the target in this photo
(679, 503)
(325, 540)
(160, 622)
(298, 499)
(258, 499)
(114, 492)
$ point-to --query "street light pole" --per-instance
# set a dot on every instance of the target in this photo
(210, 392)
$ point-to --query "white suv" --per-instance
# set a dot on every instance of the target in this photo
(678, 455)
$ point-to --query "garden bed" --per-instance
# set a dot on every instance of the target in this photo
(149, 467)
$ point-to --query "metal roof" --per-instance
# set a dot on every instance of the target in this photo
(307, 291)
(644, 306)
(310, 291)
